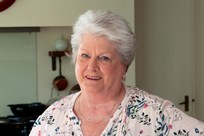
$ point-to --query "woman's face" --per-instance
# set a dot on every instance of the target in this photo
(98, 65)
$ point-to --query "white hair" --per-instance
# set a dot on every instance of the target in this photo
(112, 26)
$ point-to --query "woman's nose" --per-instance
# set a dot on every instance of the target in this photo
(93, 64)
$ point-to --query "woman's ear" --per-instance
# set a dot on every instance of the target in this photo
(126, 67)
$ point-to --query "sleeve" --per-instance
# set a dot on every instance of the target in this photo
(174, 122)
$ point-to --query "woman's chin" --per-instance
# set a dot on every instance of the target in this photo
(91, 87)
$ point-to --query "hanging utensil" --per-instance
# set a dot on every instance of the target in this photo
(60, 82)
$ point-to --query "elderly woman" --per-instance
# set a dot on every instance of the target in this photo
(103, 48)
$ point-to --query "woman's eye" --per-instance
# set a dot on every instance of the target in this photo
(104, 58)
(85, 55)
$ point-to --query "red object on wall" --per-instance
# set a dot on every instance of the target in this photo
(5, 4)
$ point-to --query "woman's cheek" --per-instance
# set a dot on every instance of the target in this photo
(79, 71)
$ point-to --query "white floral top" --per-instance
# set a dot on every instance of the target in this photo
(139, 114)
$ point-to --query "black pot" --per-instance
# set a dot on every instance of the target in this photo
(27, 110)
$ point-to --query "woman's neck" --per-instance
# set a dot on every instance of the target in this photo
(94, 109)
(100, 100)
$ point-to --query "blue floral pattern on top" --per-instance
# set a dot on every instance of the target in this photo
(139, 114)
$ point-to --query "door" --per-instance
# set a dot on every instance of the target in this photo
(165, 54)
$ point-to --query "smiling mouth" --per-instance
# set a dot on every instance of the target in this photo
(93, 77)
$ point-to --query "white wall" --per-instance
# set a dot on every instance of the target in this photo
(18, 70)
(199, 56)
(59, 13)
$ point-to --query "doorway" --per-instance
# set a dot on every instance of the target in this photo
(165, 53)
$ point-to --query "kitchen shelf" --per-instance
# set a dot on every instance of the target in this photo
(59, 54)
(56, 53)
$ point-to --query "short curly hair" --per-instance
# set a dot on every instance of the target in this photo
(110, 25)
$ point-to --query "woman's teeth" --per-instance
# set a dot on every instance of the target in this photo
(93, 77)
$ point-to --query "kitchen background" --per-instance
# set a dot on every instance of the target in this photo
(24, 55)
(159, 24)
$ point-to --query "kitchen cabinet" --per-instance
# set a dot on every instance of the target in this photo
(59, 13)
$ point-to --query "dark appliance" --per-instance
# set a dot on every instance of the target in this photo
(23, 119)
(16, 126)
(25, 110)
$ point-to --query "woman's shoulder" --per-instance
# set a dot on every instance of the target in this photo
(165, 118)
(142, 94)
(66, 101)
(55, 116)
(142, 98)
(61, 106)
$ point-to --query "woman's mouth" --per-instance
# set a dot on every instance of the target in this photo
(93, 77)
